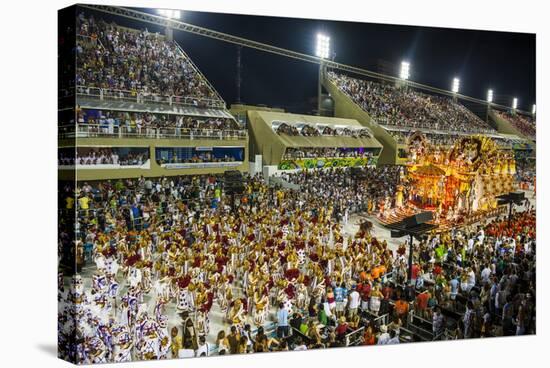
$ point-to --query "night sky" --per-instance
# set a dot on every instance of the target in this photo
(502, 61)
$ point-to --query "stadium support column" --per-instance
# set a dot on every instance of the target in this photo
(169, 32)
(319, 88)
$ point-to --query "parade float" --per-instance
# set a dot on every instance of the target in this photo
(461, 181)
(459, 184)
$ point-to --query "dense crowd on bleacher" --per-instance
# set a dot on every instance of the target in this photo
(310, 131)
(147, 123)
(103, 156)
(140, 62)
(525, 124)
(391, 105)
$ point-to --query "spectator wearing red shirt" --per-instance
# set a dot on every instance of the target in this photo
(401, 308)
(437, 269)
(364, 291)
(341, 329)
(414, 272)
(421, 303)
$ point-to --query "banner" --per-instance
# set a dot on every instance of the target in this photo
(312, 163)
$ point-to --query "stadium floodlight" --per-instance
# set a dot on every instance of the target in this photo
(490, 96)
(405, 67)
(456, 85)
(534, 110)
(170, 13)
(515, 103)
(323, 46)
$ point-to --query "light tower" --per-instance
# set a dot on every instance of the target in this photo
(490, 96)
(170, 14)
(322, 52)
(456, 87)
(489, 102)
(404, 74)
(405, 69)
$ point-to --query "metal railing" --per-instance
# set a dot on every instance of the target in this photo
(113, 131)
(198, 72)
(146, 98)
(355, 337)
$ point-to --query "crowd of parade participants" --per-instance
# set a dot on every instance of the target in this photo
(176, 267)
(405, 107)
(111, 57)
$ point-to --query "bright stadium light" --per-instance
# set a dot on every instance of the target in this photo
(170, 13)
(515, 103)
(534, 109)
(405, 67)
(323, 46)
(456, 85)
(490, 96)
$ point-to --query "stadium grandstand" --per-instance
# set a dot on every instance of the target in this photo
(396, 111)
(524, 124)
(138, 91)
(394, 212)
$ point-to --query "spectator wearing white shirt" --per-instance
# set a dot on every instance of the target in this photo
(384, 336)
(486, 275)
(354, 301)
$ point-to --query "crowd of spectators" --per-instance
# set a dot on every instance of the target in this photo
(293, 153)
(405, 107)
(349, 195)
(104, 156)
(482, 278)
(525, 124)
(118, 58)
(445, 139)
(147, 123)
(526, 166)
(311, 131)
(197, 157)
